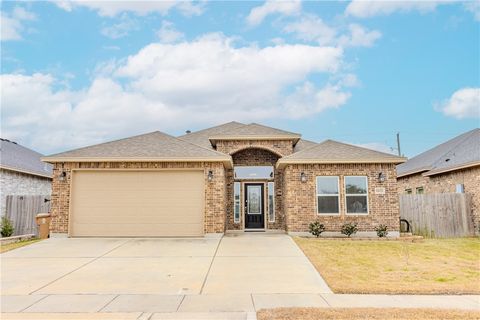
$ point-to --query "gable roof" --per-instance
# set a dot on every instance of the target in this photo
(255, 131)
(154, 146)
(303, 144)
(330, 151)
(460, 152)
(18, 158)
(200, 137)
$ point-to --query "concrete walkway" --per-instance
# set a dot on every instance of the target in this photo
(228, 278)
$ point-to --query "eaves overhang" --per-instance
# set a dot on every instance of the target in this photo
(214, 139)
(282, 163)
(227, 161)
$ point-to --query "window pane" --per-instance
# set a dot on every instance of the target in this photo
(356, 185)
(271, 202)
(256, 172)
(327, 185)
(327, 204)
(236, 201)
(357, 204)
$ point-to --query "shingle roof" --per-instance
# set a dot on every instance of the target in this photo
(18, 158)
(201, 137)
(253, 131)
(330, 151)
(461, 151)
(303, 144)
(154, 146)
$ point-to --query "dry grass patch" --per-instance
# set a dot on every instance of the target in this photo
(365, 313)
(434, 266)
(15, 245)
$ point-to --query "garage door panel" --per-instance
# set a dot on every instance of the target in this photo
(148, 230)
(137, 203)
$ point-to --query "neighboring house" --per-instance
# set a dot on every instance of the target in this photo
(453, 166)
(229, 177)
(22, 172)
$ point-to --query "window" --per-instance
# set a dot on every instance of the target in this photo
(327, 195)
(419, 190)
(271, 202)
(256, 172)
(236, 202)
(408, 191)
(356, 195)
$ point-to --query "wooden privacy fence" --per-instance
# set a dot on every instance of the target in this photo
(438, 215)
(21, 210)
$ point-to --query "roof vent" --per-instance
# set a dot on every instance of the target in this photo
(448, 159)
(188, 131)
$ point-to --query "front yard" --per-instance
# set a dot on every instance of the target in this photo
(365, 313)
(434, 266)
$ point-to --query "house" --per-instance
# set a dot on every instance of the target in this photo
(22, 172)
(244, 177)
(453, 166)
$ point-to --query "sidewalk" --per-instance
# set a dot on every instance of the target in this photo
(235, 307)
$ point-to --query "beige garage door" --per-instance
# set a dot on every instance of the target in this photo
(137, 203)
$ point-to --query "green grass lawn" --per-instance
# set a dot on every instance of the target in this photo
(365, 314)
(434, 266)
(15, 245)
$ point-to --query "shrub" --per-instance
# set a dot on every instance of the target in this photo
(316, 228)
(7, 227)
(349, 228)
(381, 231)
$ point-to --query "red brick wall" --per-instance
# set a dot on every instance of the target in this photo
(300, 197)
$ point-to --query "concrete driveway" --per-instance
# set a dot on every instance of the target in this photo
(157, 275)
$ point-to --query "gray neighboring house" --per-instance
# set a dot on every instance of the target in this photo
(453, 166)
(22, 172)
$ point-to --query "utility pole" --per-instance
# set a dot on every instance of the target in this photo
(398, 144)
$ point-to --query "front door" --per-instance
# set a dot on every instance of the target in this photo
(254, 218)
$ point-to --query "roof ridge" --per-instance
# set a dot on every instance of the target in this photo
(195, 132)
(106, 142)
(339, 142)
(196, 145)
(357, 146)
(466, 135)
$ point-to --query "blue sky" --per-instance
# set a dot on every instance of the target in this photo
(78, 73)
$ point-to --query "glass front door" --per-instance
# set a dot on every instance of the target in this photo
(254, 217)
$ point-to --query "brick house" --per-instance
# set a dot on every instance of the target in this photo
(226, 178)
(453, 166)
(22, 173)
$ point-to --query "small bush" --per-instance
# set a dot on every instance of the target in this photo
(316, 228)
(381, 231)
(7, 227)
(349, 228)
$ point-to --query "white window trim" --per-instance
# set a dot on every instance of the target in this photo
(273, 200)
(235, 220)
(356, 194)
(327, 195)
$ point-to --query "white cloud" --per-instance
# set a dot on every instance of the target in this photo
(473, 7)
(120, 29)
(205, 81)
(464, 103)
(371, 8)
(113, 8)
(258, 14)
(312, 28)
(12, 24)
(359, 37)
(168, 34)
